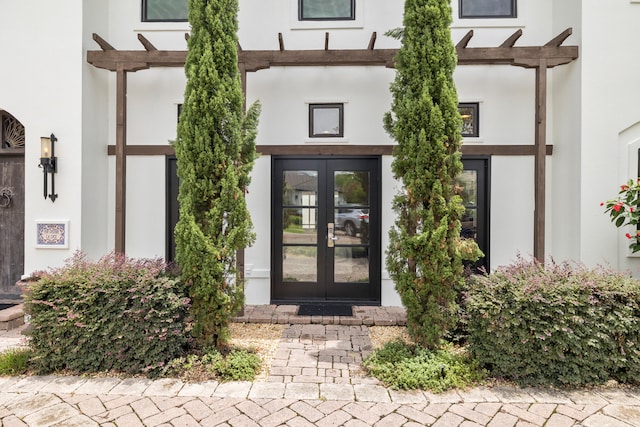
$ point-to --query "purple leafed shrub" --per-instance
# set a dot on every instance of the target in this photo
(118, 313)
(560, 324)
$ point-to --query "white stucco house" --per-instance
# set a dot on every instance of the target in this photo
(548, 90)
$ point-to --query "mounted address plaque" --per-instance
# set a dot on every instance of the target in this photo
(52, 234)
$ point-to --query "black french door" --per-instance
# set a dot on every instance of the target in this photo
(326, 229)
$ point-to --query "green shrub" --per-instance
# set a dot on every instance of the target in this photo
(401, 366)
(238, 365)
(117, 314)
(559, 324)
(14, 361)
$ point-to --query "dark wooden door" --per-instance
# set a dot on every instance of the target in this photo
(11, 222)
(326, 230)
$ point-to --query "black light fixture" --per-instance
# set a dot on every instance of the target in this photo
(48, 163)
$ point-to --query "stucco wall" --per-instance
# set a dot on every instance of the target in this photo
(610, 90)
(41, 85)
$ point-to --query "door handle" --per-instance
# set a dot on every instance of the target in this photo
(331, 236)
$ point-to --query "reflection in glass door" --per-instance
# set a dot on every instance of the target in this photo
(326, 243)
(474, 190)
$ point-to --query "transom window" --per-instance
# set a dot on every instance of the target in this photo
(326, 120)
(326, 10)
(487, 8)
(164, 10)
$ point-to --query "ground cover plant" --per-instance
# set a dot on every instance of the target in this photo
(401, 365)
(236, 365)
(14, 361)
(555, 324)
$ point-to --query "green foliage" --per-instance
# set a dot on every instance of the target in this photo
(555, 324)
(402, 366)
(238, 365)
(119, 314)
(424, 254)
(14, 361)
(215, 149)
(624, 211)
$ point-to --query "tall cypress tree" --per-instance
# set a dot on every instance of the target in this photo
(215, 150)
(423, 256)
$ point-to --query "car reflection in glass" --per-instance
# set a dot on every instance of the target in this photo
(352, 221)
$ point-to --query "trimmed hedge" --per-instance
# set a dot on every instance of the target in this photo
(559, 324)
(118, 314)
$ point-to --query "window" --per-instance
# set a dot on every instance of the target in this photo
(326, 10)
(487, 8)
(469, 114)
(326, 120)
(164, 10)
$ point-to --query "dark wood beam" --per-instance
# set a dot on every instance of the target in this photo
(372, 41)
(540, 162)
(365, 150)
(102, 42)
(121, 160)
(326, 41)
(146, 43)
(464, 41)
(512, 40)
(280, 42)
(254, 60)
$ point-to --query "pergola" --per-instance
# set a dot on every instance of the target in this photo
(539, 58)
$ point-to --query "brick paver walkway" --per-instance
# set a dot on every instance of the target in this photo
(315, 381)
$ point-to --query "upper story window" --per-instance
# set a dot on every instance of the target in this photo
(326, 10)
(469, 115)
(326, 120)
(164, 10)
(487, 8)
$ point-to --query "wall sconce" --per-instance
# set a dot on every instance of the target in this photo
(48, 163)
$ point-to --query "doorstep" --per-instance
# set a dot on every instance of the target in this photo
(12, 317)
(286, 314)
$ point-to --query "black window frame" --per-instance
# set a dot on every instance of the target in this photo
(513, 14)
(475, 118)
(143, 14)
(352, 17)
(332, 105)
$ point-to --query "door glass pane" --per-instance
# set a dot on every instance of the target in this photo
(351, 264)
(469, 223)
(467, 183)
(300, 188)
(351, 188)
(300, 225)
(299, 264)
(467, 186)
(351, 200)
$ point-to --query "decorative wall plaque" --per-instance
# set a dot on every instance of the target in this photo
(52, 234)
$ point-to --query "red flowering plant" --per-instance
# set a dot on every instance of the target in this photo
(624, 210)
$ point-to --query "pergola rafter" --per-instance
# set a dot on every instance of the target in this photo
(540, 58)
